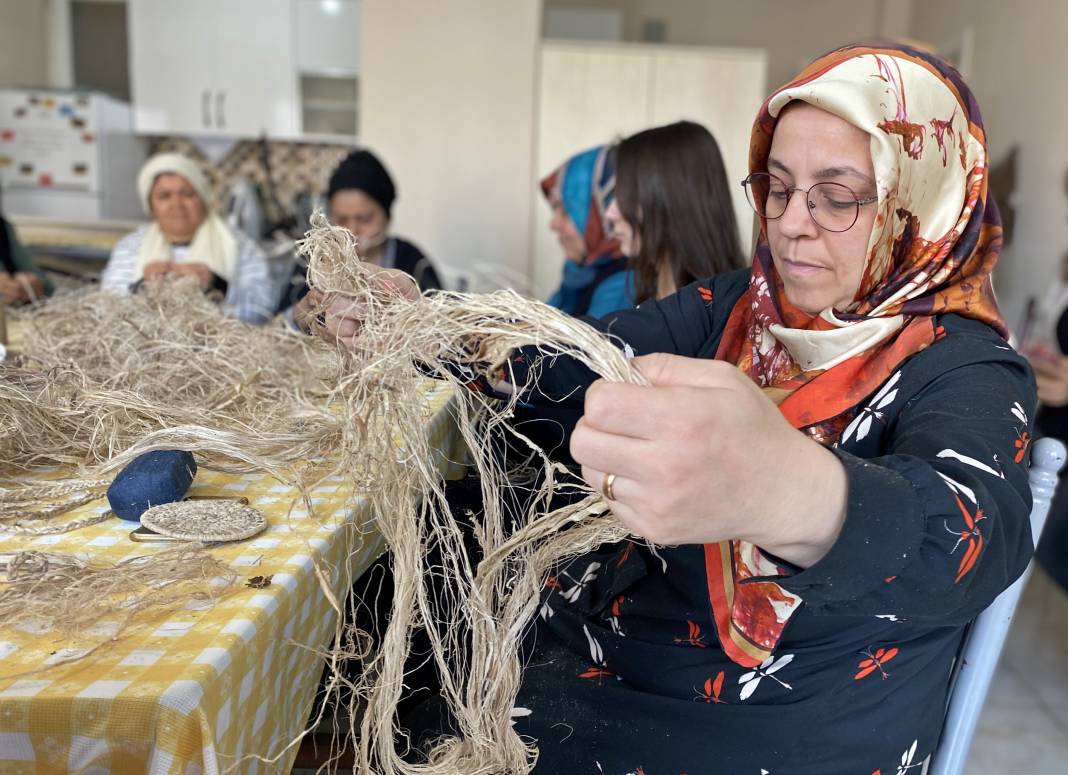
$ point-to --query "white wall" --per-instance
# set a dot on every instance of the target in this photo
(448, 96)
(1019, 68)
(23, 43)
(793, 31)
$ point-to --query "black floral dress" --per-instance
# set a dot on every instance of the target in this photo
(625, 673)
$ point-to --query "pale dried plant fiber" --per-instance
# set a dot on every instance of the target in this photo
(106, 377)
(68, 596)
(475, 616)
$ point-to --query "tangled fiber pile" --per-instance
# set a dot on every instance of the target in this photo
(108, 378)
(66, 595)
(475, 615)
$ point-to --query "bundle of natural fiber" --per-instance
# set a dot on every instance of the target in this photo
(475, 615)
(68, 596)
(105, 381)
(104, 378)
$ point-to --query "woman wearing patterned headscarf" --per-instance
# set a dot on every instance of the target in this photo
(827, 469)
(596, 279)
(843, 488)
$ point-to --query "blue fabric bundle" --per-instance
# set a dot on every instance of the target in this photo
(153, 478)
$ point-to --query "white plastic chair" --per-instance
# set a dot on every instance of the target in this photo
(978, 657)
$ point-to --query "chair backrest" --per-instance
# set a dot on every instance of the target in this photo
(985, 638)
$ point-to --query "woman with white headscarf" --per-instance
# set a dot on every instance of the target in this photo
(186, 237)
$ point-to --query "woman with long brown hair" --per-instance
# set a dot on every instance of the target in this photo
(672, 213)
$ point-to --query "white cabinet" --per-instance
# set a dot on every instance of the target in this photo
(327, 36)
(256, 84)
(171, 65)
(222, 67)
(327, 60)
(593, 93)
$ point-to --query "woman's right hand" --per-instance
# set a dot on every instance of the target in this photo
(344, 316)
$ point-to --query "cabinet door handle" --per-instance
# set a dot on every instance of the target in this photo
(205, 108)
(220, 104)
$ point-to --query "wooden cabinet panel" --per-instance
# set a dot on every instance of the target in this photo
(589, 95)
(722, 90)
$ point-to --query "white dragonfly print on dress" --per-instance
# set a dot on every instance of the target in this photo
(906, 759)
(958, 488)
(657, 555)
(572, 594)
(952, 454)
(751, 680)
(599, 670)
(519, 712)
(860, 427)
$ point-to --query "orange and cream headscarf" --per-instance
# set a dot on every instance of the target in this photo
(934, 244)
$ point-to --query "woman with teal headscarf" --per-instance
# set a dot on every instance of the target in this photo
(596, 277)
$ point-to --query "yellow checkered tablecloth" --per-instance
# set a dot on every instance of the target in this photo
(206, 688)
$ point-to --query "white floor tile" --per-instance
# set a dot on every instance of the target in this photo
(1024, 726)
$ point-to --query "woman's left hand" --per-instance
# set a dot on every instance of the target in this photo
(204, 275)
(701, 455)
(19, 287)
(10, 290)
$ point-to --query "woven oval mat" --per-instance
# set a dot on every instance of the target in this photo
(205, 520)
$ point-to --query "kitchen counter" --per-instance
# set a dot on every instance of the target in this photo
(70, 247)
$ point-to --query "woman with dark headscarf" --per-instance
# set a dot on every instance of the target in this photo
(825, 469)
(360, 198)
(596, 278)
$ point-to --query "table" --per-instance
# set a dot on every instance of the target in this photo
(195, 690)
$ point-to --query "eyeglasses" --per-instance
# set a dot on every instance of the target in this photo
(833, 206)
